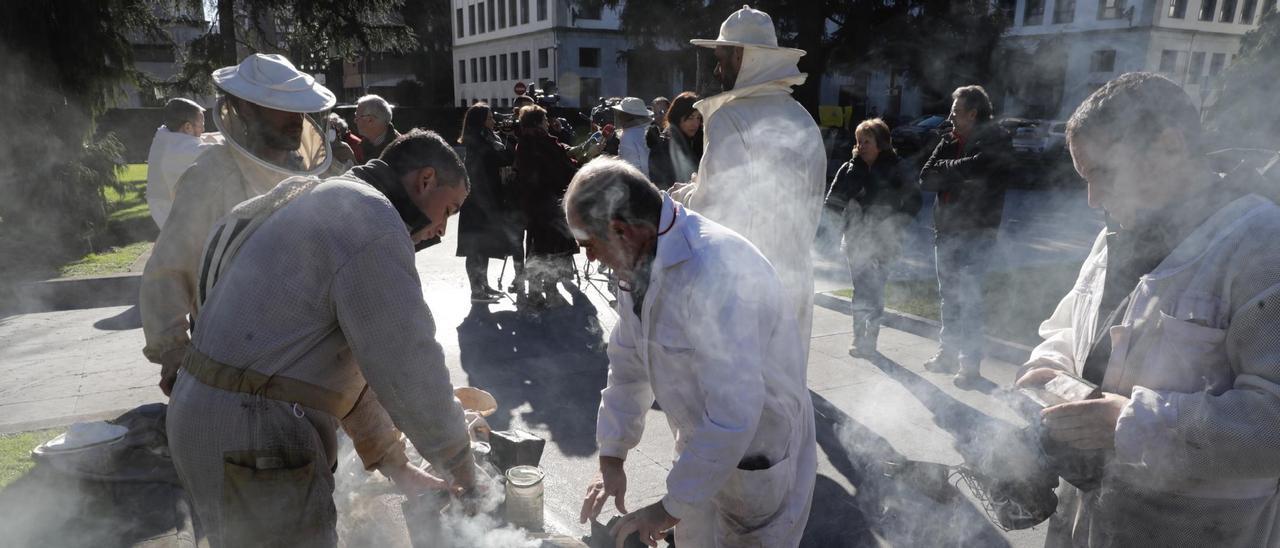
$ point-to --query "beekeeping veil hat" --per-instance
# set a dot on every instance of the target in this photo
(271, 81)
(766, 66)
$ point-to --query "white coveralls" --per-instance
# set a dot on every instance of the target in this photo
(222, 178)
(326, 281)
(1197, 450)
(633, 148)
(764, 171)
(172, 152)
(717, 348)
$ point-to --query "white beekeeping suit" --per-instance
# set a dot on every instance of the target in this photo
(764, 170)
(172, 152)
(718, 350)
(1197, 448)
(222, 177)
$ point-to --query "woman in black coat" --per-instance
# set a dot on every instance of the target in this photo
(543, 171)
(877, 196)
(485, 229)
(675, 155)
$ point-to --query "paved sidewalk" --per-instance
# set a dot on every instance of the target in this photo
(546, 372)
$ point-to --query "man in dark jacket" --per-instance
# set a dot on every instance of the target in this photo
(968, 170)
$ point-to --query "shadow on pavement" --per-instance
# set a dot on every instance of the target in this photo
(548, 366)
(131, 318)
(885, 510)
(972, 429)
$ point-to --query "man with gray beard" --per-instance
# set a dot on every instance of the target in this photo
(1174, 316)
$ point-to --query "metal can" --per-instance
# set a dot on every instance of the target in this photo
(524, 497)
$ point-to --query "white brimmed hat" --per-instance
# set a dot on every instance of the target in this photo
(634, 106)
(747, 28)
(273, 82)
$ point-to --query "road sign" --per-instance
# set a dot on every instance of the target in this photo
(520, 88)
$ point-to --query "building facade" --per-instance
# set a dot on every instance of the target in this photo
(545, 44)
(1076, 46)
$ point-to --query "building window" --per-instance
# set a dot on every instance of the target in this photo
(515, 65)
(502, 14)
(1034, 14)
(1207, 7)
(1268, 7)
(1177, 9)
(471, 19)
(511, 11)
(1103, 60)
(502, 66)
(524, 65)
(460, 23)
(588, 91)
(505, 102)
(493, 68)
(474, 77)
(1246, 14)
(589, 57)
(1110, 9)
(1228, 11)
(154, 53)
(484, 69)
(462, 71)
(590, 9)
(1197, 66)
(1064, 11)
(543, 58)
(542, 10)
(1216, 63)
(492, 15)
(1168, 61)
(524, 11)
(480, 15)
(462, 103)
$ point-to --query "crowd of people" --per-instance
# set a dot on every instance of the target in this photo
(282, 303)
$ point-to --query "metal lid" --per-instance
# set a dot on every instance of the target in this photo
(525, 476)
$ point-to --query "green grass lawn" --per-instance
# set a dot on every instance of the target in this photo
(15, 452)
(1017, 300)
(124, 208)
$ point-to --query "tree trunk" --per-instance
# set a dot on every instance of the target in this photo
(812, 27)
(227, 31)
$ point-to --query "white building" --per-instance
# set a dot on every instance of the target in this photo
(1078, 45)
(497, 43)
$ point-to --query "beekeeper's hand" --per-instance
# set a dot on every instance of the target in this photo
(1036, 375)
(463, 483)
(170, 362)
(413, 481)
(650, 523)
(612, 482)
(1088, 425)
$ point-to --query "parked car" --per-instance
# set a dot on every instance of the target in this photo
(921, 133)
(1028, 135)
(1055, 143)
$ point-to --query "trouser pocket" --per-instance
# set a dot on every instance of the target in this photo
(275, 498)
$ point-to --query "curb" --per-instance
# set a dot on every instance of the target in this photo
(77, 293)
(1011, 352)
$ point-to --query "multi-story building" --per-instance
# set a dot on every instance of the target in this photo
(1078, 45)
(497, 43)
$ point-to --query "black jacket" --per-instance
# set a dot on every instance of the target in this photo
(970, 179)
(483, 229)
(887, 187)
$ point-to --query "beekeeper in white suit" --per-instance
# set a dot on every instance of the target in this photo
(267, 138)
(707, 331)
(764, 170)
(1174, 315)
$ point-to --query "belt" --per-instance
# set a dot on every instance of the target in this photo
(233, 379)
